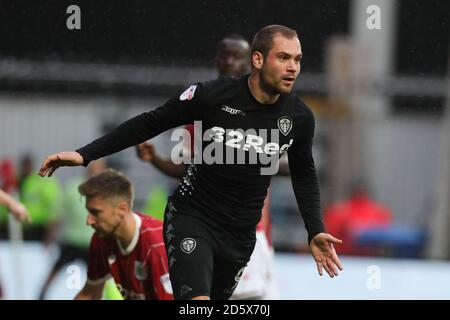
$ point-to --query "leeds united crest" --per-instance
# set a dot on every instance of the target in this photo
(285, 125)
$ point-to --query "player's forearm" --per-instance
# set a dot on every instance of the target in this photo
(166, 166)
(307, 192)
(127, 134)
(6, 199)
(134, 131)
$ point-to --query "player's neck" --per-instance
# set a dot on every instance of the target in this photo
(124, 234)
(257, 90)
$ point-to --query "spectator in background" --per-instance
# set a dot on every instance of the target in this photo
(348, 219)
(40, 197)
(8, 183)
(17, 209)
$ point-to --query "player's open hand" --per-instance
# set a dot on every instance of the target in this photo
(60, 159)
(145, 151)
(323, 251)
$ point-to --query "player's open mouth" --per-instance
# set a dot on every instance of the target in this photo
(288, 80)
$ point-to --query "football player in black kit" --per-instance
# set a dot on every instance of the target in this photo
(209, 223)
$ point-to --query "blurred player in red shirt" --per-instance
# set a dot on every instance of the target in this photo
(126, 245)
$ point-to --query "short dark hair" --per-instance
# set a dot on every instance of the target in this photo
(108, 184)
(263, 39)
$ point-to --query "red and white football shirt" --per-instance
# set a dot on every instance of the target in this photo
(140, 270)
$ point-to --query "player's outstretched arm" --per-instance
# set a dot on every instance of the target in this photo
(17, 209)
(60, 159)
(322, 249)
(91, 292)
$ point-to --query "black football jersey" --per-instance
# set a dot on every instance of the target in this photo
(238, 143)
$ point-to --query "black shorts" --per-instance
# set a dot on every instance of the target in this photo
(205, 259)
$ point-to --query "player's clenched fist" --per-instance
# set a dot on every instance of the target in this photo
(145, 151)
(60, 159)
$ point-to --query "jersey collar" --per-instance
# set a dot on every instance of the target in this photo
(135, 238)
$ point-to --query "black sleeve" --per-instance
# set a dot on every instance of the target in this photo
(178, 111)
(304, 178)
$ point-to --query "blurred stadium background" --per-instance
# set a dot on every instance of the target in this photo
(381, 100)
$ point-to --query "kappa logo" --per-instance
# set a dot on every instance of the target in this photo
(285, 125)
(189, 93)
(184, 289)
(232, 111)
(188, 245)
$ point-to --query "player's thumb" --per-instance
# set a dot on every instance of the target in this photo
(333, 239)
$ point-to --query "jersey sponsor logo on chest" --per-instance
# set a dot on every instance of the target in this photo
(218, 145)
(249, 140)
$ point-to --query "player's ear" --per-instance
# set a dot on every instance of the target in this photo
(123, 207)
(257, 60)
